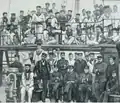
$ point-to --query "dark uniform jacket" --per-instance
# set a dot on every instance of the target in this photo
(18, 65)
(112, 84)
(42, 69)
(71, 77)
(85, 78)
(110, 69)
(79, 66)
(62, 64)
(101, 73)
(55, 77)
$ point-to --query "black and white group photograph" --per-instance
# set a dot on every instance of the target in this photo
(59, 51)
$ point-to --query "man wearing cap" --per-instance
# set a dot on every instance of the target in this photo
(4, 19)
(54, 8)
(69, 15)
(38, 17)
(71, 60)
(80, 64)
(69, 35)
(100, 77)
(70, 80)
(76, 19)
(56, 81)
(62, 20)
(62, 64)
(112, 87)
(37, 54)
(27, 83)
(111, 67)
(42, 70)
(85, 85)
(52, 61)
(13, 19)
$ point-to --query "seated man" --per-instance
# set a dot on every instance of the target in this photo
(85, 85)
(69, 38)
(112, 87)
(27, 83)
(70, 80)
(55, 84)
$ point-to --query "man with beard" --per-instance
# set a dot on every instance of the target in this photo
(100, 77)
(62, 64)
(42, 69)
(27, 83)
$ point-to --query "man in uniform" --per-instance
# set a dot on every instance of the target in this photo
(85, 85)
(100, 77)
(62, 64)
(70, 80)
(42, 69)
(52, 61)
(111, 67)
(111, 87)
(56, 80)
(80, 64)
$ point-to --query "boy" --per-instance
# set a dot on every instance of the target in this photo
(27, 83)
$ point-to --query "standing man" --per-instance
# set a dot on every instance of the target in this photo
(62, 64)
(54, 8)
(80, 64)
(100, 77)
(111, 67)
(71, 60)
(42, 69)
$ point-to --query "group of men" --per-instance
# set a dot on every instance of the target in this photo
(47, 24)
(74, 79)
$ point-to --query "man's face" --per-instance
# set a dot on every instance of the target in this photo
(57, 15)
(53, 5)
(62, 13)
(111, 60)
(92, 56)
(51, 56)
(80, 56)
(71, 56)
(100, 60)
(77, 16)
(16, 59)
(76, 56)
(69, 13)
(47, 5)
(27, 68)
(63, 7)
(115, 8)
(98, 30)
(43, 57)
(70, 70)
(38, 9)
(62, 56)
(84, 12)
(5, 15)
(86, 70)
(21, 13)
(13, 16)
